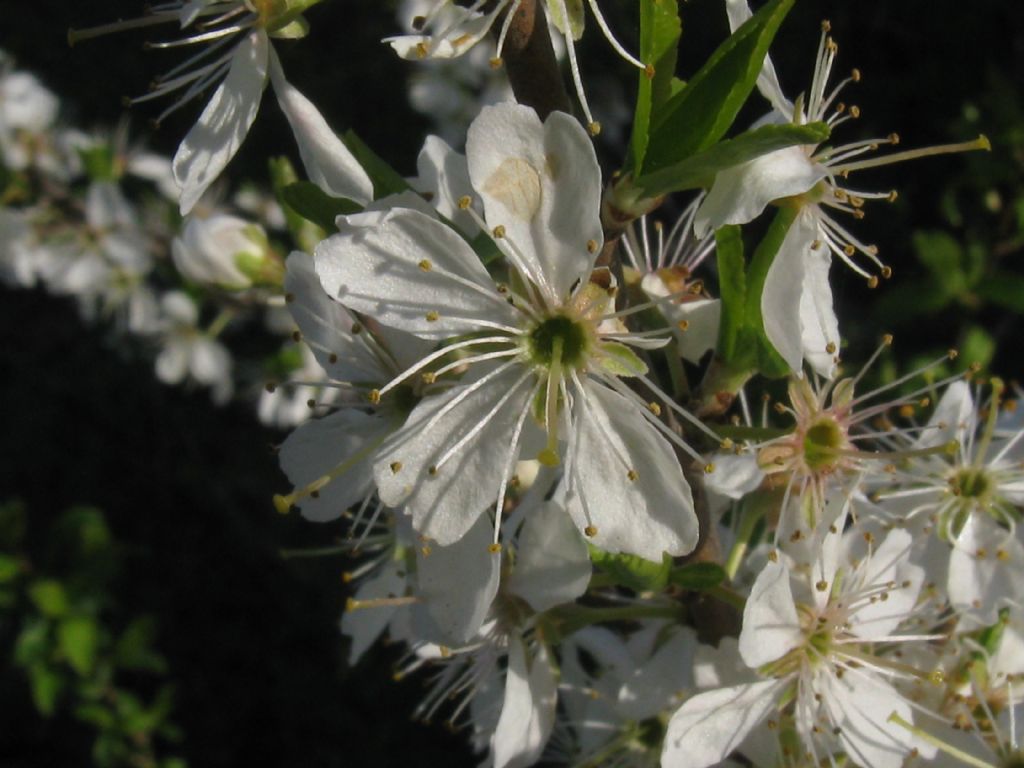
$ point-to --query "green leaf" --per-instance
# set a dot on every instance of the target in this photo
(699, 170)
(698, 116)
(660, 30)
(9, 568)
(98, 162)
(632, 571)
(697, 576)
(732, 285)
(977, 346)
(386, 180)
(33, 643)
(78, 637)
(1005, 290)
(49, 597)
(46, 684)
(305, 233)
(943, 257)
(315, 205)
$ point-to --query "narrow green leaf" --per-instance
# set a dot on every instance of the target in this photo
(78, 638)
(660, 30)
(632, 571)
(732, 285)
(699, 170)
(697, 576)
(46, 684)
(698, 116)
(386, 180)
(315, 205)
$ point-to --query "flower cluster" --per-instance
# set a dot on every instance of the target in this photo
(532, 401)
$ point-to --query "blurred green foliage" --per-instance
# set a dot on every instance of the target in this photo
(79, 653)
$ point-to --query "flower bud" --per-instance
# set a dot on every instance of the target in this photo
(227, 252)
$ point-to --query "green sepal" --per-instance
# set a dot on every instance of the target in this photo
(699, 170)
(285, 14)
(660, 30)
(315, 205)
(386, 180)
(699, 115)
(296, 29)
(742, 344)
(576, 21)
(78, 638)
(697, 577)
(99, 162)
(304, 232)
(619, 360)
(632, 571)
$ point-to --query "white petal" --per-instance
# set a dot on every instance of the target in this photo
(224, 123)
(210, 361)
(172, 362)
(739, 194)
(364, 625)
(889, 563)
(455, 585)
(735, 475)
(647, 516)
(552, 561)
(327, 327)
(443, 173)
(711, 725)
(543, 184)
(818, 321)
(655, 683)
(861, 704)
(328, 162)
(952, 413)
(317, 448)
(783, 288)
(445, 504)
(528, 711)
(980, 585)
(767, 80)
(771, 627)
(403, 267)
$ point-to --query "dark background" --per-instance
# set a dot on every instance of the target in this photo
(252, 640)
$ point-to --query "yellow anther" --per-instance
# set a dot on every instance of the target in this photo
(425, 550)
(821, 586)
(894, 138)
(981, 554)
(886, 272)
(494, 548)
(496, 62)
(849, 250)
(465, 201)
(356, 329)
(654, 408)
(952, 354)
(347, 576)
(873, 281)
(855, 75)
(726, 444)
(649, 71)
(632, 476)
(591, 246)
(893, 196)
(374, 396)
(432, 316)
(296, 336)
(683, 325)
(855, 111)
(826, 26)
(432, 470)
(830, 348)
(282, 503)
(425, 265)
(590, 531)
(499, 231)
(773, 556)
(422, 50)
(594, 128)
(709, 468)
(501, 288)
(396, 467)
(1002, 555)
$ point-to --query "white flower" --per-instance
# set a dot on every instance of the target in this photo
(27, 109)
(188, 352)
(448, 30)
(817, 636)
(240, 33)
(970, 498)
(813, 180)
(546, 344)
(665, 269)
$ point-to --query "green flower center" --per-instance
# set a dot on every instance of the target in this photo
(558, 336)
(970, 484)
(822, 441)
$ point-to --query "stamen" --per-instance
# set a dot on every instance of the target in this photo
(981, 142)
